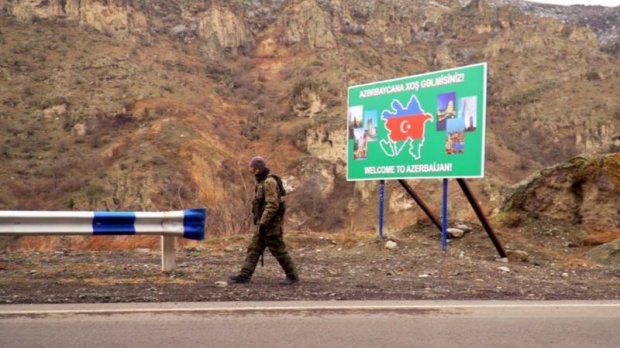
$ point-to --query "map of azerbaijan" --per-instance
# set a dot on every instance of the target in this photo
(406, 125)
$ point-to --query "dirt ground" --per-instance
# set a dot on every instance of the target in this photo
(332, 267)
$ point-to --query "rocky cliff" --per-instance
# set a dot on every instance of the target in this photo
(115, 16)
(601, 20)
(157, 104)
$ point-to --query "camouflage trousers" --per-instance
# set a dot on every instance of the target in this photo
(274, 241)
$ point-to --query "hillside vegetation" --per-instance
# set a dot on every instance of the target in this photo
(157, 105)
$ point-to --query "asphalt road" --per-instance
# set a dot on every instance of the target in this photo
(314, 324)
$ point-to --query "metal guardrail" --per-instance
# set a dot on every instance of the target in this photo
(189, 223)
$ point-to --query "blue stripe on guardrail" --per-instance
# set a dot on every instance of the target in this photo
(194, 223)
(114, 222)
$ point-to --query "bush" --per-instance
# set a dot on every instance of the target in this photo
(593, 76)
(300, 86)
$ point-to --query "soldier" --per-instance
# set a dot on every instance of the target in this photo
(268, 208)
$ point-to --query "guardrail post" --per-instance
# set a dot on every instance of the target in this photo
(168, 260)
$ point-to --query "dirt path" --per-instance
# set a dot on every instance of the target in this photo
(331, 267)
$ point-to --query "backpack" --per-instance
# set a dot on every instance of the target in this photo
(281, 194)
(281, 189)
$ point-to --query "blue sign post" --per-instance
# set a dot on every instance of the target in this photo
(381, 198)
(444, 217)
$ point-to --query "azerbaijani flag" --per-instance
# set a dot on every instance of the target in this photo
(406, 123)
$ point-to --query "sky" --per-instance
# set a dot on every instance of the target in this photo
(610, 3)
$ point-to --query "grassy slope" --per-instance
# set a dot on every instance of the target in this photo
(168, 128)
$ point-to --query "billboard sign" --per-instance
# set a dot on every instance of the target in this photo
(424, 126)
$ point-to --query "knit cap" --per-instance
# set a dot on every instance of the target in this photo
(258, 162)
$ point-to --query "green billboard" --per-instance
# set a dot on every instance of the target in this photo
(424, 126)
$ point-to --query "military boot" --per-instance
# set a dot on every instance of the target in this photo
(239, 279)
(290, 280)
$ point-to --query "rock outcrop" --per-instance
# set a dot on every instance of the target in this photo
(583, 191)
(606, 254)
(307, 23)
(224, 31)
(112, 16)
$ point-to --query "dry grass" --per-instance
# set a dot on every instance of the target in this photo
(164, 118)
(46, 244)
(598, 238)
(95, 243)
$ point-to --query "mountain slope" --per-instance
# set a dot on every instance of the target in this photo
(158, 104)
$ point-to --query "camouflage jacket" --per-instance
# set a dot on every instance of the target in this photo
(268, 203)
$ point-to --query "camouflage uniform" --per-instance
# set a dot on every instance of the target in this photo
(268, 209)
